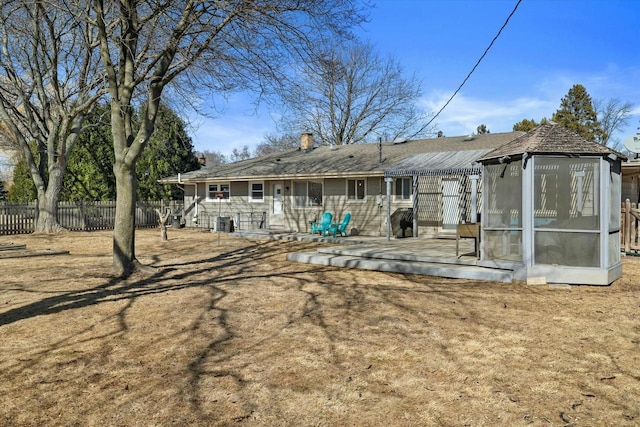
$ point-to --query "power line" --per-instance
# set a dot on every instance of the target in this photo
(473, 69)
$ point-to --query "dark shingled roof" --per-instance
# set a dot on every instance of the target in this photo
(549, 138)
(341, 161)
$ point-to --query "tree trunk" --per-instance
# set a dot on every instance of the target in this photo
(124, 254)
(162, 220)
(47, 205)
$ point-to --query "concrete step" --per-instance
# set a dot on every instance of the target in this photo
(292, 236)
(440, 269)
(393, 254)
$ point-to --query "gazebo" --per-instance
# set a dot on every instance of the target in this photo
(551, 208)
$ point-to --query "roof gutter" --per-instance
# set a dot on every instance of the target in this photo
(378, 173)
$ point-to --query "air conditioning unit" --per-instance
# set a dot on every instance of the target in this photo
(222, 223)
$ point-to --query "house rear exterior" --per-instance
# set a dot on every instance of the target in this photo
(288, 190)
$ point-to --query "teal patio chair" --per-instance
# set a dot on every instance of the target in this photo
(323, 225)
(341, 227)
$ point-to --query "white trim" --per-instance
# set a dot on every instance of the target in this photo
(364, 190)
(307, 199)
(604, 169)
(219, 185)
(399, 197)
(250, 192)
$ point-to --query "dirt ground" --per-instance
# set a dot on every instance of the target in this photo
(231, 333)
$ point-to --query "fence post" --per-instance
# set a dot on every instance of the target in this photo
(634, 227)
(627, 226)
(622, 226)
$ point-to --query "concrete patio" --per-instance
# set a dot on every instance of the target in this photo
(432, 257)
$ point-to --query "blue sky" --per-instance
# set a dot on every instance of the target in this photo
(547, 47)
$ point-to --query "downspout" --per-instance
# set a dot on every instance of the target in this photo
(179, 182)
(415, 206)
(195, 202)
(388, 180)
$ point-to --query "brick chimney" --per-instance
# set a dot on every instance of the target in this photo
(306, 141)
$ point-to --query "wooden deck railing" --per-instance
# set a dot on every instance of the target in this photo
(629, 227)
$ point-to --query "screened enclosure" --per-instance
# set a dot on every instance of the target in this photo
(566, 214)
(503, 211)
(557, 215)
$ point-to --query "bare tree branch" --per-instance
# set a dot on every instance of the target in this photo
(49, 82)
(613, 115)
(349, 93)
(195, 47)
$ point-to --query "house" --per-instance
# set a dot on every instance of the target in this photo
(289, 190)
(631, 181)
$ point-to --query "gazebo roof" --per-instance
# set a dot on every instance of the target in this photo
(549, 138)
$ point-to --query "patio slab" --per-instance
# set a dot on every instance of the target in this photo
(433, 257)
(439, 269)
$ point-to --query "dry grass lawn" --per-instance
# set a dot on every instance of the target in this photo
(233, 334)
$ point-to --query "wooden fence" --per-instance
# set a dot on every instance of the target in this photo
(17, 219)
(89, 216)
(79, 216)
(629, 226)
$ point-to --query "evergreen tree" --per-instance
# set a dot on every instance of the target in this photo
(22, 189)
(170, 151)
(525, 125)
(89, 174)
(576, 112)
(3, 192)
(482, 129)
(90, 171)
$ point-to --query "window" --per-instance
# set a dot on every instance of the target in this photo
(355, 189)
(403, 189)
(218, 189)
(307, 193)
(256, 192)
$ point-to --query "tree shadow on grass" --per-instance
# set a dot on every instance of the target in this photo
(338, 306)
(138, 285)
(211, 273)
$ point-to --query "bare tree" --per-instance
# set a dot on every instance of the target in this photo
(149, 47)
(613, 115)
(240, 154)
(214, 158)
(277, 143)
(48, 83)
(7, 152)
(351, 92)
